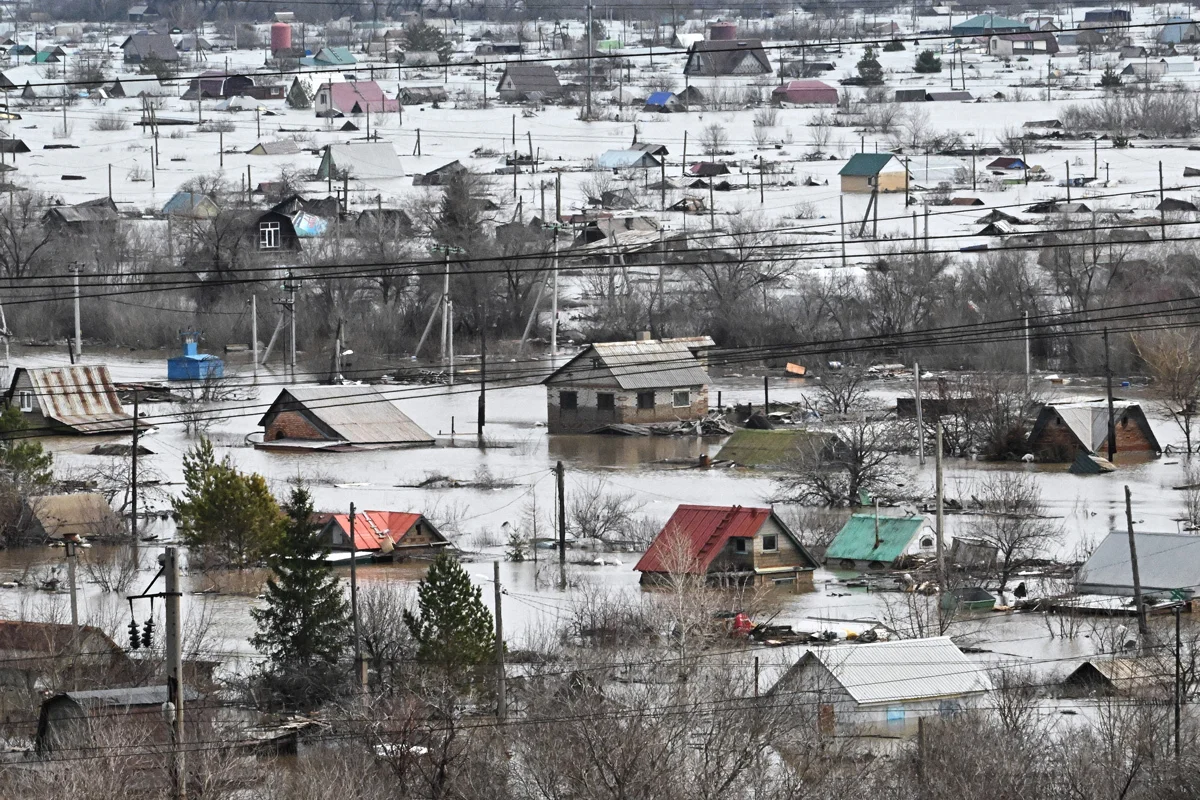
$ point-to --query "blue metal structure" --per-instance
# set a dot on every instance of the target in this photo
(193, 365)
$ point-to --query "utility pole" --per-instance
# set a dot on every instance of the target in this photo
(920, 413)
(1112, 423)
(482, 417)
(939, 519)
(1143, 625)
(501, 693)
(554, 306)
(133, 475)
(289, 305)
(70, 542)
(174, 646)
(77, 350)
(560, 478)
(590, 51)
(1178, 680)
(1025, 315)
(360, 672)
(254, 332)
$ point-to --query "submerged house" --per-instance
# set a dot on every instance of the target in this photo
(645, 381)
(883, 688)
(1062, 431)
(334, 99)
(778, 448)
(528, 81)
(869, 172)
(394, 533)
(191, 364)
(1168, 565)
(726, 57)
(732, 546)
(69, 717)
(805, 93)
(337, 418)
(82, 515)
(871, 542)
(360, 161)
(68, 400)
(33, 656)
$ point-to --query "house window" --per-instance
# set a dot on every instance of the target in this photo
(895, 716)
(605, 401)
(927, 543)
(770, 543)
(268, 236)
(597, 363)
(739, 545)
(681, 398)
(26, 401)
(645, 400)
(568, 401)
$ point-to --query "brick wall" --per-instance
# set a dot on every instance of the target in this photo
(587, 416)
(291, 425)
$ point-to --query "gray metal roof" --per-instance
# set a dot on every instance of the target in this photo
(82, 398)
(648, 364)
(127, 696)
(1166, 561)
(357, 414)
(907, 669)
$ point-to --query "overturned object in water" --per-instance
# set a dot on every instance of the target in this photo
(1086, 464)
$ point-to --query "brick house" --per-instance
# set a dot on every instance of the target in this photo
(337, 418)
(731, 546)
(632, 383)
(1064, 430)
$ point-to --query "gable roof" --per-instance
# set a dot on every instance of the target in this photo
(361, 160)
(1166, 562)
(900, 670)
(530, 77)
(52, 638)
(192, 205)
(727, 57)
(143, 45)
(755, 448)
(370, 527)
(75, 514)
(626, 159)
(354, 414)
(1088, 421)
(647, 364)
(866, 165)
(856, 540)
(357, 97)
(336, 56)
(275, 147)
(704, 530)
(80, 397)
(989, 22)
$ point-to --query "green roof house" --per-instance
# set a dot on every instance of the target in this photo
(988, 25)
(330, 57)
(869, 172)
(870, 542)
(773, 449)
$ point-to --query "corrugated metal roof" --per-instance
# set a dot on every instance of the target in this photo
(903, 670)
(371, 526)
(649, 364)
(866, 165)
(80, 514)
(625, 159)
(80, 397)
(127, 696)
(364, 160)
(704, 530)
(856, 541)
(1166, 561)
(357, 414)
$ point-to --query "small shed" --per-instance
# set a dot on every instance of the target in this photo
(145, 47)
(440, 176)
(192, 365)
(664, 103)
(420, 95)
(1063, 430)
(967, 599)
(64, 718)
(1114, 676)
(627, 159)
(1173, 205)
(805, 93)
(1007, 164)
(868, 541)
(776, 448)
(868, 172)
(731, 545)
(275, 147)
(338, 418)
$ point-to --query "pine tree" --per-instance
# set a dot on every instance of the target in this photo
(303, 630)
(23, 459)
(419, 36)
(1109, 78)
(454, 628)
(869, 71)
(927, 62)
(226, 513)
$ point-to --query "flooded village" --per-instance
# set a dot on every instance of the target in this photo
(576, 402)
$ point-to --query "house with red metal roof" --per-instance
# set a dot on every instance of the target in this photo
(732, 546)
(352, 97)
(394, 534)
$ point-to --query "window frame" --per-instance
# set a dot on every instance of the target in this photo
(774, 539)
(641, 396)
(268, 232)
(568, 400)
(606, 401)
(25, 401)
(739, 546)
(675, 398)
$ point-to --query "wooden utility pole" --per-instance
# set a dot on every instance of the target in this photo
(1143, 625)
(560, 476)
(360, 672)
(920, 413)
(175, 691)
(133, 473)
(482, 410)
(254, 333)
(1112, 423)
(939, 519)
(501, 688)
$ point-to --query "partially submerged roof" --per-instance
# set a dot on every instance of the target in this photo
(371, 527)
(1088, 421)
(354, 414)
(695, 534)
(901, 670)
(1167, 562)
(81, 397)
(76, 514)
(866, 165)
(754, 448)
(645, 364)
(858, 541)
(362, 160)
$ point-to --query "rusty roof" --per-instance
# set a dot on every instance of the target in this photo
(80, 397)
(702, 532)
(370, 527)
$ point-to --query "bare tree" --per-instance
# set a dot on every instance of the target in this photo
(1173, 358)
(1011, 519)
(842, 391)
(714, 139)
(595, 511)
(862, 461)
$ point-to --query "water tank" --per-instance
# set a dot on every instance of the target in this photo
(281, 37)
(722, 31)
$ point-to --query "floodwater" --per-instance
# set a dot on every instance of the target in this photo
(517, 470)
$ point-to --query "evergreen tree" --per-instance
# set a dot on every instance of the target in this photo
(927, 62)
(454, 628)
(22, 458)
(424, 38)
(303, 630)
(869, 71)
(225, 513)
(1109, 78)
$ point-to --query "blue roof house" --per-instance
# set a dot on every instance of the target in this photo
(194, 365)
(627, 159)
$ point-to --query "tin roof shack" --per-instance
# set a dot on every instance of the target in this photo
(71, 400)
(868, 541)
(32, 660)
(136, 712)
(867, 172)
(144, 47)
(337, 418)
(883, 689)
(1061, 432)
(805, 93)
(721, 58)
(86, 217)
(1167, 563)
(774, 449)
(387, 534)
(630, 383)
(732, 546)
(528, 81)
(86, 515)
(1123, 677)
(193, 365)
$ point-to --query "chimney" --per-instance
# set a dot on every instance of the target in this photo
(643, 336)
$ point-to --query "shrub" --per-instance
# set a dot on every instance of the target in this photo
(110, 122)
(894, 46)
(927, 62)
